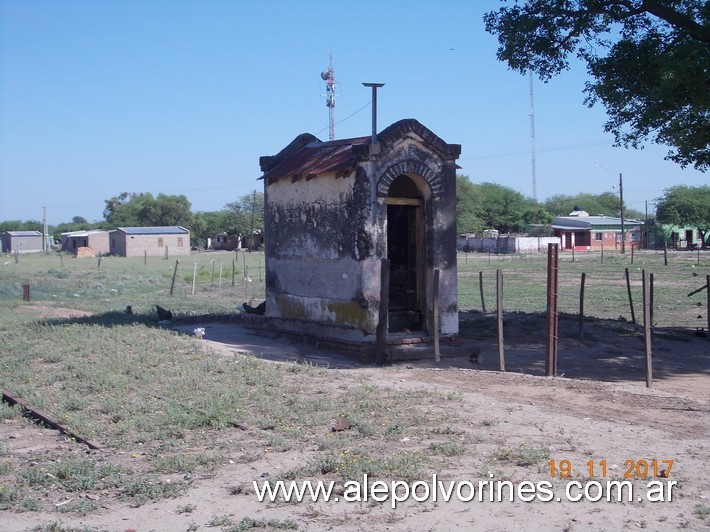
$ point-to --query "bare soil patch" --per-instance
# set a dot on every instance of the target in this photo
(597, 410)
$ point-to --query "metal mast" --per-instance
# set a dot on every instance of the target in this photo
(328, 75)
(532, 139)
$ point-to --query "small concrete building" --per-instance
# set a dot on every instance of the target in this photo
(355, 230)
(151, 241)
(97, 240)
(22, 241)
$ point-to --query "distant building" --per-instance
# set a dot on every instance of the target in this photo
(151, 241)
(582, 232)
(224, 242)
(22, 242)
(97, 240)
(681, 237)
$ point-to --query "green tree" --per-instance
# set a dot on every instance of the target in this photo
(606, 203)
(684, 205)
(208, 224)
(467, 221)
(649, 62)
(239, 214)
(18, 225)
(140, 210)
(492, 206)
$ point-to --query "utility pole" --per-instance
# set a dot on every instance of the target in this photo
(45, 235)
(621, 211)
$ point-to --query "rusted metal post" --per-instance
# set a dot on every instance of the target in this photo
(628, 290)
(581, 307)
(437, 353)
(499, 311)
(552, 277)
(26, 292)
(647, 329)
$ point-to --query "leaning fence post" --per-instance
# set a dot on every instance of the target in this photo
(628, 290)
(172, 284)
(480, 284)
(194, 276)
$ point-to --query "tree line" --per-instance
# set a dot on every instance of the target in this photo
(479, 206)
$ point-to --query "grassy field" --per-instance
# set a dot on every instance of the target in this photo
(123, 381)
(162, 404)
(606, 295)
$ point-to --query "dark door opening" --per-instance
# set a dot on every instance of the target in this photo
(404, 253)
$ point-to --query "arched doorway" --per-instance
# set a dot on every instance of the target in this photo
(406, 254)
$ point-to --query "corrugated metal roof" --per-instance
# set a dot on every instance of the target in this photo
(24, 233)
(161, 230)
(72, 234)
(586, 222)
(317, 158)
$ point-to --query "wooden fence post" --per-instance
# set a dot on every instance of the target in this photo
(499, 299)
(480, 284)
(628, 290)
(581, 306)
(647, 329)
(552, 318)
(172, 284)
(194, 276)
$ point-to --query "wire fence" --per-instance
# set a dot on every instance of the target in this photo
(607, 294)
(222, 281)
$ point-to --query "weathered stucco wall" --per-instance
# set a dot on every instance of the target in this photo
(326, 232)
(314, 249)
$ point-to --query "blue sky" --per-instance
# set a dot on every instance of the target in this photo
(183, 97)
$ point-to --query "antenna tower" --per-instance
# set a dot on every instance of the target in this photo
(532, 139)
(328, 75)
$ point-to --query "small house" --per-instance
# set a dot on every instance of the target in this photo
(357, 231)
(149, 241)
(22, 241)
(96, 240)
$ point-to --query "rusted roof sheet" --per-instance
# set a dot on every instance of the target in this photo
(316, 158)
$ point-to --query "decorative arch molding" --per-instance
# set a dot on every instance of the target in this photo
(409, 166)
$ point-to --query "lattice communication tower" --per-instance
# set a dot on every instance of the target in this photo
(328, 75)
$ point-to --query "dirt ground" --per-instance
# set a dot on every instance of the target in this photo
(597, 409)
